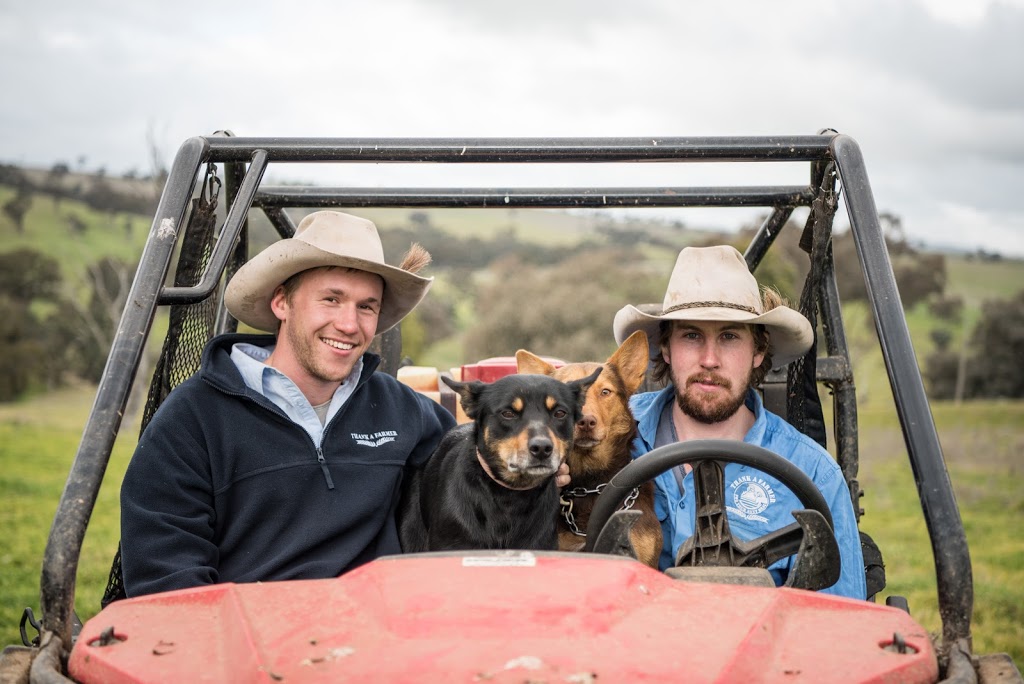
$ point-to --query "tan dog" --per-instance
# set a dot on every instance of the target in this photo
(601, 444)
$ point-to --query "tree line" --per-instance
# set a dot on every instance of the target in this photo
(552, 301)
(95, 190)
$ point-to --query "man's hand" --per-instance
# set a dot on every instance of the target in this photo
(562, 478)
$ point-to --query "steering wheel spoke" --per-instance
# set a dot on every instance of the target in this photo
(614, 537)
(818, 563)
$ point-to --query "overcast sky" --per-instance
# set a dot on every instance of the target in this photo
(932, 90)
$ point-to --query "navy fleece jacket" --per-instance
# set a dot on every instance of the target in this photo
(223, 487)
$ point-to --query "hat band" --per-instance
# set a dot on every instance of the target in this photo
(706, 305)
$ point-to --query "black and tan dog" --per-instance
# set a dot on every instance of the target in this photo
(490, 483)
(601, 448)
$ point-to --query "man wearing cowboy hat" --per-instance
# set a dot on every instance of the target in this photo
(714, 338)
(281, 457)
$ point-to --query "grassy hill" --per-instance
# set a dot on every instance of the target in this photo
(73, 233)
(976, 280)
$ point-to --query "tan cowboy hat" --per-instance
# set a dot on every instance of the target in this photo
(323, 238)
(714, 284)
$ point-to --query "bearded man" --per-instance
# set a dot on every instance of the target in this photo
(717, 334)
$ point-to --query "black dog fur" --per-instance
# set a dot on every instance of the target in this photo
(522, 430)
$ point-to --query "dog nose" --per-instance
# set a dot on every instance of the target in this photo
(541, 447)
(587, 422)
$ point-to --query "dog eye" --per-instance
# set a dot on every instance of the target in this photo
(560, 413)
(508, 414)
(605, 392)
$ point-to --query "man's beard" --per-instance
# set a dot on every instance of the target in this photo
(306, 355)
(704, 409)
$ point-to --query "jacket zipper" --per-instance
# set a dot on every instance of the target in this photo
(323, 467)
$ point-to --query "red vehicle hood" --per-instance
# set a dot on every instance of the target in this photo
(499, 617)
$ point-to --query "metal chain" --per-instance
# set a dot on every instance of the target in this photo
(580, 492)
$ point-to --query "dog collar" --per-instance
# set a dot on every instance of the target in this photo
(487, 469)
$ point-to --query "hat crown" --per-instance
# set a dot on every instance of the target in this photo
(338, 233)
(324, 238)
(712, 276)
(715, 284)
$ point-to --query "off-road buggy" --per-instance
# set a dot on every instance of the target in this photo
(598, 615)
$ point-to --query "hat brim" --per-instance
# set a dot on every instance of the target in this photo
(789, 332)
(248, 294)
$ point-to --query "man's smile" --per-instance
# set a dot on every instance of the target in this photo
(344, 346)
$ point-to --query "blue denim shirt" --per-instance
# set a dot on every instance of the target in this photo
(767, 503)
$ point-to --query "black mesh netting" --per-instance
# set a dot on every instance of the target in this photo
(803, 408)
(190, 327)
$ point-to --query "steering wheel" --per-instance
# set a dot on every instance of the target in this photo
(811, 537)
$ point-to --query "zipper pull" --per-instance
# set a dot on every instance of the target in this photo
(323, 467)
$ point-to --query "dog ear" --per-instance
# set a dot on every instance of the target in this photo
(469, 393)
(631, 359)
(531, 364)
(580, 387)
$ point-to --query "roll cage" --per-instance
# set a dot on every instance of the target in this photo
(834, 161)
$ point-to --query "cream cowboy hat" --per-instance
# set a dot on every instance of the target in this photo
(714, 284)
(323, 238)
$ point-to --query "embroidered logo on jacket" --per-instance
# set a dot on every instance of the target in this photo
(375, 439)
(750, 497)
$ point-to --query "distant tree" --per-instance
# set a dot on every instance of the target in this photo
(11, 175)
(21, 361)
(419, 219)
(26, 277)
(995, 368)
(941, 338)
(437, 315)
(940, 374)
(947, 308)
(102, 196)
(918, 275)
(55, 180)
(564, 310)
(16, 207)
(93, 323)
(990, 365)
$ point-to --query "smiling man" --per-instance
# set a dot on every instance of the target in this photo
(717, 334)
(281, 458)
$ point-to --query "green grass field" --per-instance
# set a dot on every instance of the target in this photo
(982, 442)
(47, 229)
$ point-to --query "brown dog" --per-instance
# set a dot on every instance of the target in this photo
(601, 444)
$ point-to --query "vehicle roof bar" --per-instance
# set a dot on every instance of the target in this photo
(591, 198)
(524, 150)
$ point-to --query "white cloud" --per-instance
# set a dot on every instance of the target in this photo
(932, 90)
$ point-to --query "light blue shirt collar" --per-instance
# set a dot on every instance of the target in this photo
(250, 360)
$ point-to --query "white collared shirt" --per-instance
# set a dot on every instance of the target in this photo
(285, 394)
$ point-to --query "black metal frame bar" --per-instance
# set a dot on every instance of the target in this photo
(519, 198)
(941, 514)
(148, 291)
